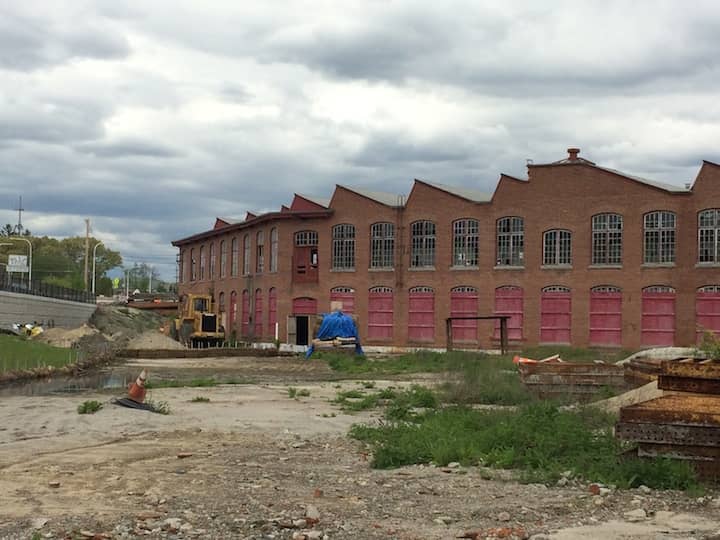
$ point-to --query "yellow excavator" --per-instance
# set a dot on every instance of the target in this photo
(198, 326)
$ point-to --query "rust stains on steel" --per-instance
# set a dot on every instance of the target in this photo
(582, 380)
(680, 426)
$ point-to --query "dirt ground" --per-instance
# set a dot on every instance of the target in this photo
(252, 463)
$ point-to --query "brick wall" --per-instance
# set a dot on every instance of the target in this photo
(556, 196)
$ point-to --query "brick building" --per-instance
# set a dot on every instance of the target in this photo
(576, 253)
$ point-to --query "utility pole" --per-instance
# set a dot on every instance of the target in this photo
(87, 251)
(20, 210)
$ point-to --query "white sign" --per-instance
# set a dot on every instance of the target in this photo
(17, 263)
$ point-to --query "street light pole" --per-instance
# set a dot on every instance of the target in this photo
(93, 279)
(30, 258)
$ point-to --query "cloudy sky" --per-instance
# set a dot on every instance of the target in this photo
(151, 118)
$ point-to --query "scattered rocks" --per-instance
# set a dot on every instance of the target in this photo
(503, 516)
(638, 514)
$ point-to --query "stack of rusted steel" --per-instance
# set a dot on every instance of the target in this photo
(683, 424)
(575, 380)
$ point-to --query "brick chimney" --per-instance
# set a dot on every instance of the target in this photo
(573, 153)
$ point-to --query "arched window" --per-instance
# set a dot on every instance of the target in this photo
(221, 302)
(212, 261)
(273, 249)
(510, 241)
(660, 237)
(202, 262)
(465, 242)
(422, 253)
(246, 255)
(260, 252)
(557, 248)
(223, 258)
(607, 231)
(343, 247)
(382, 245)
(234, 256)
(709, 236)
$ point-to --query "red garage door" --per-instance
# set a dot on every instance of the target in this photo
(464, 303)
(707, 310)
(421, 314)
(304, 306)
(258, 313)
(233, 312)
(272, 311)
(606, 316)
(380, 313)
(509, 301)
(555, 309)
(658, 316)
(245, 313)
(344, 295)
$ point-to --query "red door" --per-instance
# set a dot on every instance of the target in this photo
(304, 306)
(258, 330)
(464, 303)
(509, 301)
(344, 295)
(555, 309)
(606, 316)
(658, 316)
(233, 312)
(380, 313)
(707, 310)
(421, 314)
(245, 313)
(272, 311)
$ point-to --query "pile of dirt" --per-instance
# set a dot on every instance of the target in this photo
(65, 337)
(122, 324)
(155, 340)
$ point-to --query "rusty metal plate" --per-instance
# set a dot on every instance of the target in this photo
(695, 369)
(570, 368)
(675, 409)
(668, 434)
(687, 384)
(678, 451)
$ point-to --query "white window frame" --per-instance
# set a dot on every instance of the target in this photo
(382, 245)
(343, 247)
(422, 242)
(709, 236)
(557, 248)
(607, 239)
(466, 242)
(510, 241)
(660, 229)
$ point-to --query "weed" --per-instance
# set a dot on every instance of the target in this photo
(89, 407)
(292, 392)
(367, 384)
(19, 353)
(200, 399)
(192, 383)
(304, 392)
(484, 379)
(160, 407)
(326, 415)
(538, 439)
(710, 345)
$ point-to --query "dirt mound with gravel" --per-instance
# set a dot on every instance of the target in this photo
(155, 340)
(65, 337)
(112, 328)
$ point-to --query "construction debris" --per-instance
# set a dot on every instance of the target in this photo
(553, 378)
(682, 425)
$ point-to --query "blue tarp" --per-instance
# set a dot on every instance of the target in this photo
(334, 325)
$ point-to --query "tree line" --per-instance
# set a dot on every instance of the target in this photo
(62, 263)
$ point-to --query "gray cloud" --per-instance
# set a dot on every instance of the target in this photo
(32, 42)
(233, 107)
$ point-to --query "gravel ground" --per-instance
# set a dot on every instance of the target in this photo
(251, 463)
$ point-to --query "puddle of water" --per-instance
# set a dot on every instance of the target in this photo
(100, 380)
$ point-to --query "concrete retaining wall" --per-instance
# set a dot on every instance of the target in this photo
(26, 308)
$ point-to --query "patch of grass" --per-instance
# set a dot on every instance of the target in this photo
(400, 404)
(484, 379)
(200, 399)
(539, 439)
(294, 393)
(160, 407)
(179, 383)
(419, 362)
(18, 353)
(367, 384)
(89, 407)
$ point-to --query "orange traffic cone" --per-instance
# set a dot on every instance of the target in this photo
(136, 390)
